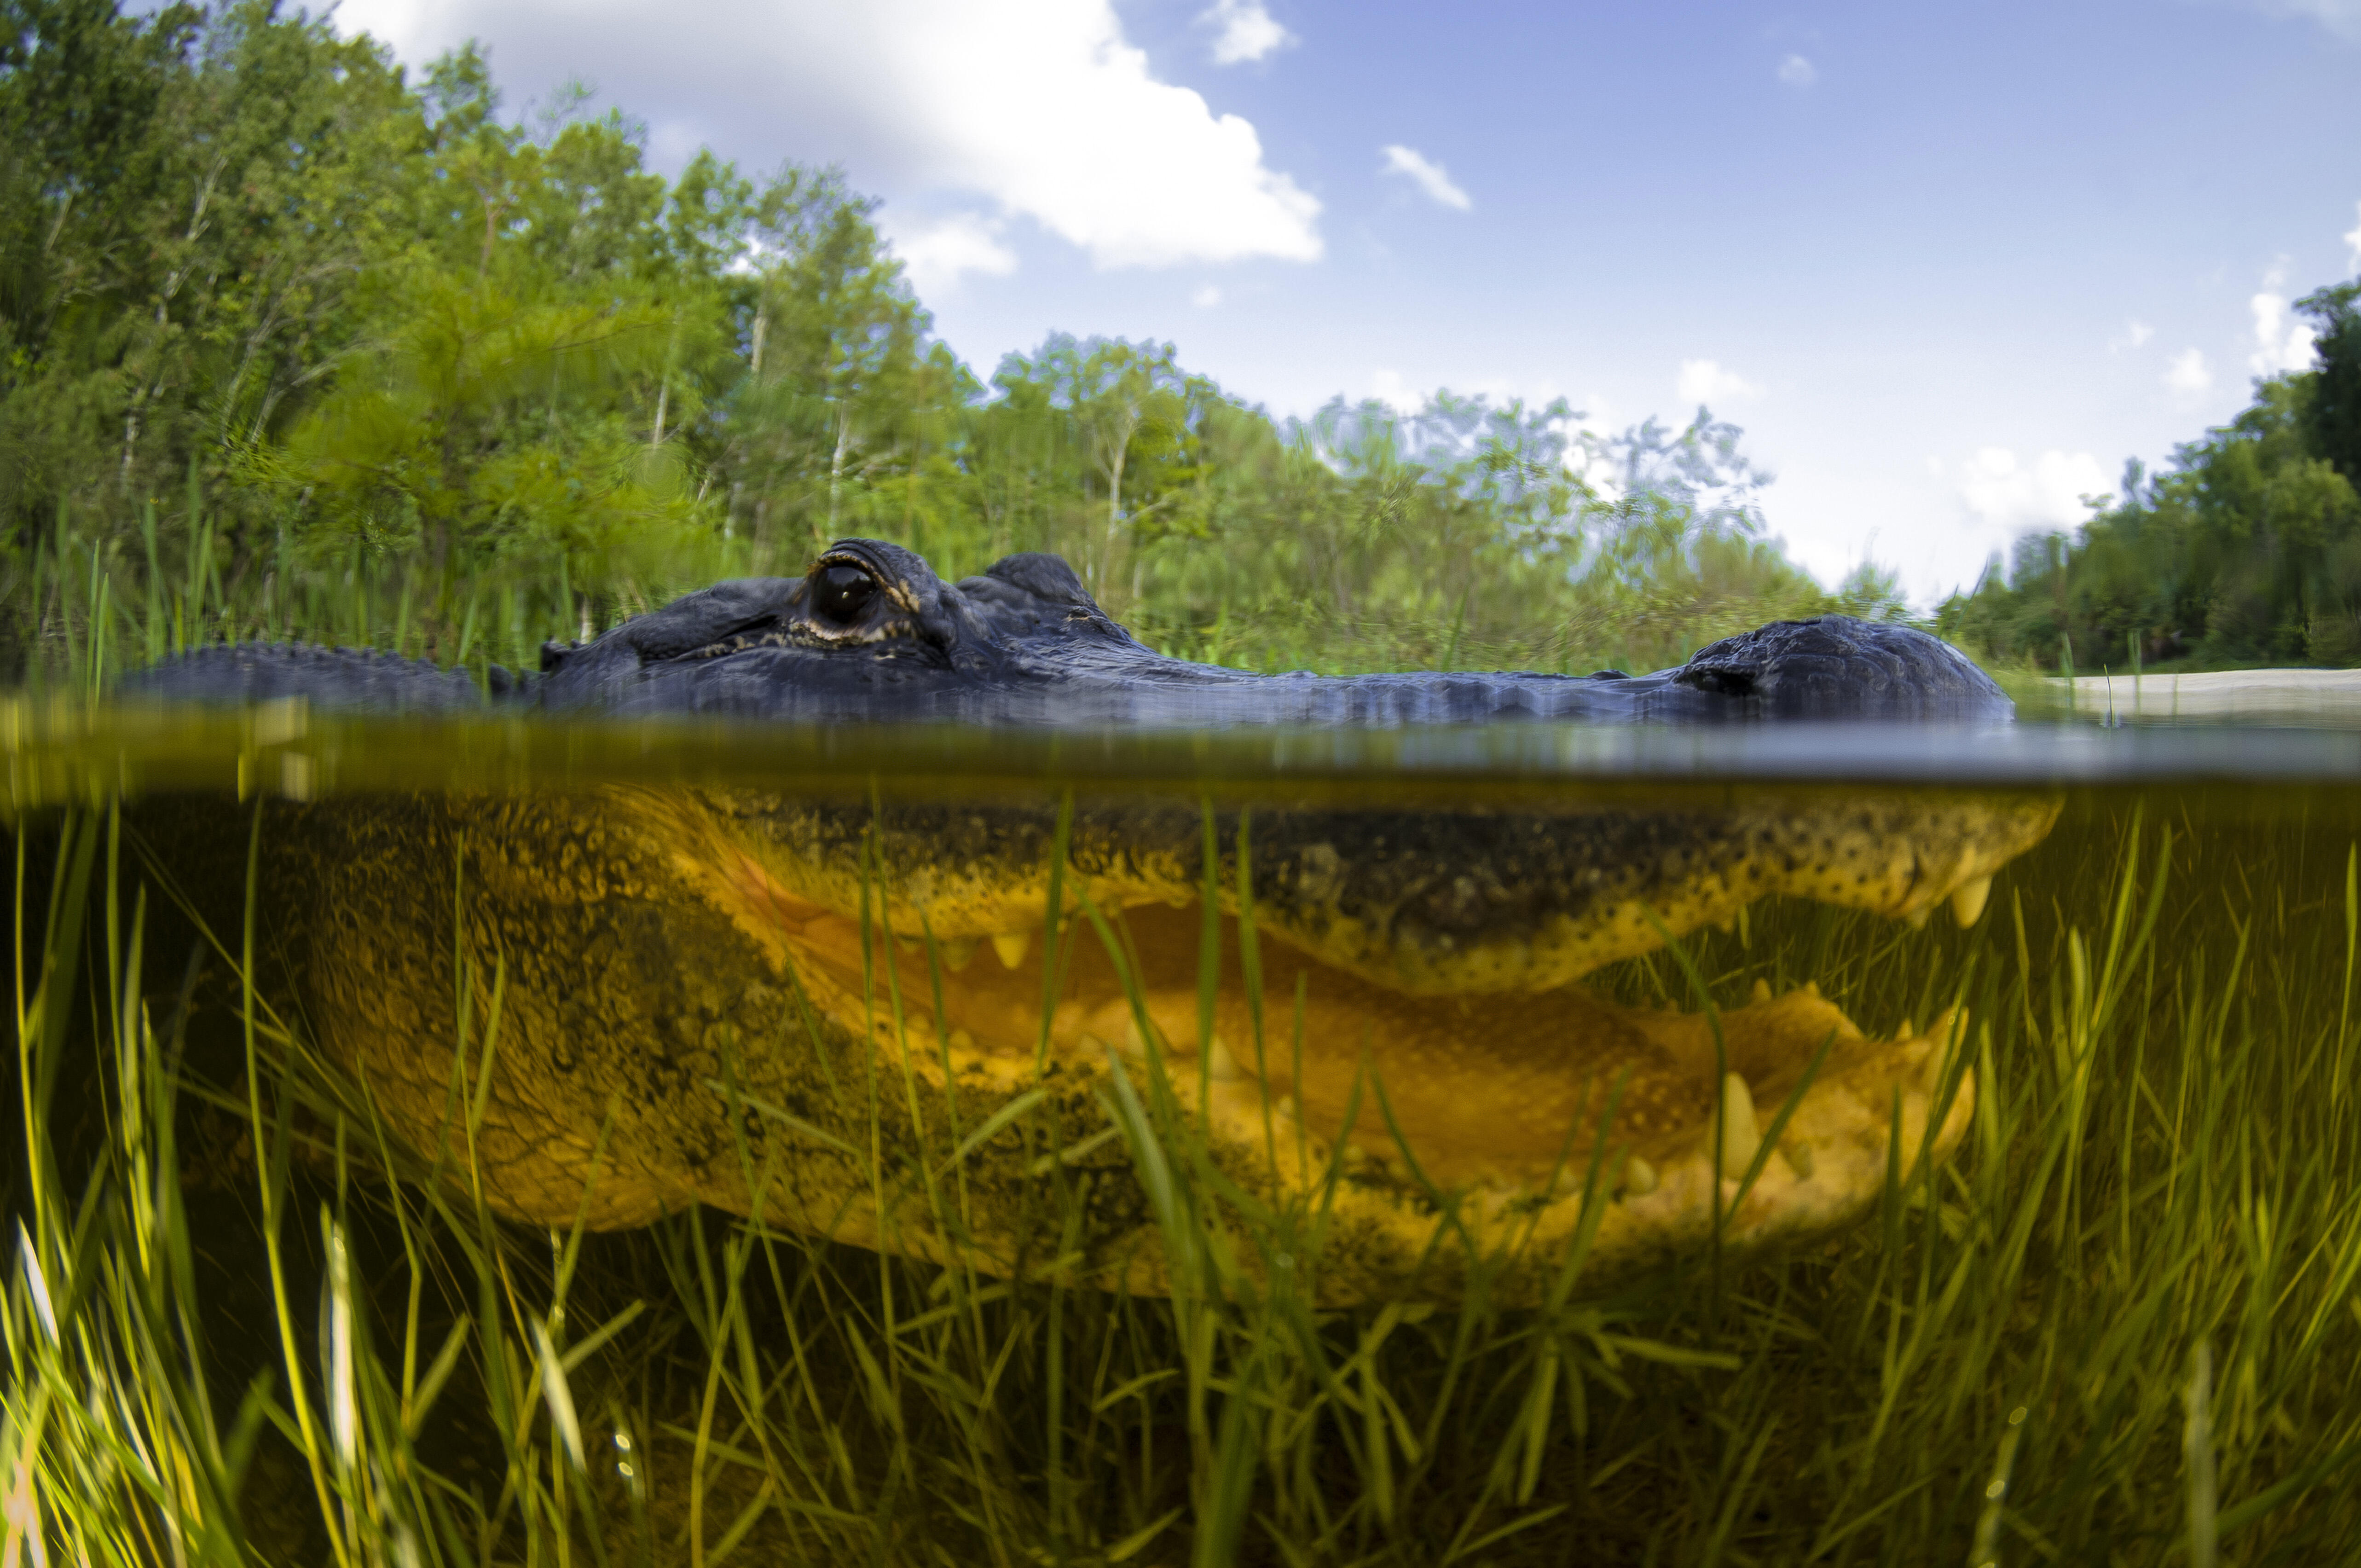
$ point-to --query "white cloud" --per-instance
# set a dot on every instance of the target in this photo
(1043, 106)
(1709, 381)
(2341, 17)
(1207, 297)
(2135, 335)
(936, 253)
(2188, 372)
(2282, 342)
(1249, 31)
(1389, 387)
(1427, 175)
(2004, 492)
(1797, 72)
(2353, 238)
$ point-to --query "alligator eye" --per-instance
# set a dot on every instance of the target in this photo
(840, 593)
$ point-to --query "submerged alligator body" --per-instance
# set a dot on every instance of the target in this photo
(860, 1015)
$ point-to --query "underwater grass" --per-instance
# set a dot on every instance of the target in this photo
(2121, 1325)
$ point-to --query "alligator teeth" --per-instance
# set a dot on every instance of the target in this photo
(1740, 1135)
(1799, 1159)
(1917, 919)
(1220, 1066)
(1011, 947)
(1909, 1030)
(956, 953)
(1761, 989)
(1639, 1178)
(1968, 901)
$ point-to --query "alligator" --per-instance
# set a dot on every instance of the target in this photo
(979, 1025)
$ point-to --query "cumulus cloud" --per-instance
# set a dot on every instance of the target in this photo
(2282, 342)
(1797, 72)
(1248, 32)
(2006, 492)
(1427, 175)
(937, 252)
(1709, 381)
(2135, 335)
(1041, 106)
(2353, 239)
(2188, 372)
(1206, 297)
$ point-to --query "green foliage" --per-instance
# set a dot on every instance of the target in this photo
(2333, 415)
(2246, 550)
(377, 345)
(185, 207)
(850, 416)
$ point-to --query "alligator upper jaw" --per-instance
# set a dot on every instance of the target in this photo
(1505, 1099)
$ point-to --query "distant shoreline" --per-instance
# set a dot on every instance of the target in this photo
(2217, 693)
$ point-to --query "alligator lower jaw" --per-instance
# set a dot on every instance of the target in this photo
(1517, 1104)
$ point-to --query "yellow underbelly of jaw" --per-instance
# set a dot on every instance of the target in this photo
(1497, 1090)
(656, 969)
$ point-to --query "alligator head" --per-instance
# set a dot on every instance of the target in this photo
(831, 1010)
(871, 635)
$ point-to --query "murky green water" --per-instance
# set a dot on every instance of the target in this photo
(1644, 1144)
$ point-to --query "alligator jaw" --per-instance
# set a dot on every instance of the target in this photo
(1492, 1107)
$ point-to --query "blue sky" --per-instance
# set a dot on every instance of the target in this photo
(1950, 266)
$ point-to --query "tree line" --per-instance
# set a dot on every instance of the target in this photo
(291, 344)
(2245, 550)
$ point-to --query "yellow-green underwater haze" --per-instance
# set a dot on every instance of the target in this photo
(2120, 1322)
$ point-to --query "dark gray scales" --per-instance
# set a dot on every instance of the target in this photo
(871, 634)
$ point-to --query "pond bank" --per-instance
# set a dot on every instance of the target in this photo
(2332, 697)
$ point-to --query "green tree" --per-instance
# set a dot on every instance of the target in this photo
(1129, 405)
(845, 388)
(190, 204)
(544, 349)
(2247, 549)
(2332, 416)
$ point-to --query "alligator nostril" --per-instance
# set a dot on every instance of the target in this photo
(840, 593)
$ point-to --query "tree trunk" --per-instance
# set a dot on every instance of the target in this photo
(1114, 514)
(836, 468)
